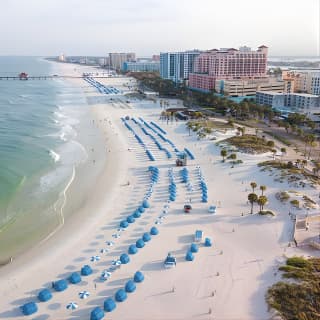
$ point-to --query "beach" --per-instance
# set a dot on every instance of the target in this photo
(226, 281)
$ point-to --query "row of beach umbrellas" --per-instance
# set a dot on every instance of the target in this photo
(203, 186)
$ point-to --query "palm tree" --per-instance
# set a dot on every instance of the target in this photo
(263, 188)
(223, 154)
(262, 200)
(252, 197)
(253, 185)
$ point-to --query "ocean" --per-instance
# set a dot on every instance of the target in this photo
(41, 124)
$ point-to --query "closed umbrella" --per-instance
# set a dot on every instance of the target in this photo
(95, 258)
(105, 275)
(84, 294)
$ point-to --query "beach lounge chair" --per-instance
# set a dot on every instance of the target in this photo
(170, 261)
(198, 236)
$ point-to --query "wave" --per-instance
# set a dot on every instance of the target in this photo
(55, 156)
(59, 114)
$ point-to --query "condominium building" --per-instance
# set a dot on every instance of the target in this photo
(177, 66)
(116, 60)
(239, 87)
(228, 64)
(152, 66)
(301, 102)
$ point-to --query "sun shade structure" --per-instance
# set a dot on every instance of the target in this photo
(138, 277)
(146, 237)
(132, 249)
(130, 286)
(44, 295)
(97, 314)
(131, 219)
(84, 294)
(121, 295)
(109, 305)
(137, 214)
(189, 256)
(75, 278)
(194, 248)
(170, 261)
(140, 243)
(154, 231)
(124, 224)
(141, 209)
(124, 258)
(29, 308)
(86, 270)
(145, 204)
(60, 285)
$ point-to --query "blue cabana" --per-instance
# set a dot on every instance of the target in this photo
(44, 295)
(130, 286)
(132, 249)
(86, 270)
(124, 258)
(121, 295)
(194, 248)
(154, 231)
(60, 285)
(145, 204)
(74, 278)
(189, 256)
(138, 277)
(140, 243)
(146, 237)
(109, 305)
(97, 314)
(29, 308)
(124, 224)
(207, 242)
(131, 219)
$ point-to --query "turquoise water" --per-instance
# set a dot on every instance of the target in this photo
(39, 149)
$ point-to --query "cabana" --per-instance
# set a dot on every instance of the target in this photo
(146, 237)
(198, 236)
(29, 308)
(124, 258)
(189, 256)
(194, 248)
(170, 261)
(97, 314)
(86, 270)
(109, 305)
(140, 243)
(207, 242)
(60, 285)
(44, 295)
(154, 231)
(138, 277)
(74, 278)
(130, 286)
(121, 295)
(132, 249)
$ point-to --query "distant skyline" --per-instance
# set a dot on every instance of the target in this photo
(96, 27)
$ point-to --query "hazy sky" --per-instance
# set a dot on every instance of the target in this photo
(95, 27)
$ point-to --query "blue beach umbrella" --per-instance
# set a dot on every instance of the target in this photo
(189, 256)
(109, 305)
(138, 277)
(96, 314)
(72, 306)
(29, 308)
(132, 249)
(131, 219)
(140, 243)
(154, 231)
(146, 237)
(130, 286)
(74, 278)
(141, 209)
(44, 295)
(120, 295)
(86, 270)
(124, 224)
(124, 258)
(194, 248)
(137, 214)
(145, 204)
(60, 285)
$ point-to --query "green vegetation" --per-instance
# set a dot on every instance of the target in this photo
(283, 196)
(223, 154)
(279, 138)
(266, 212)
(295, 203)
(299, 300)
(252, 198)
(249, 143)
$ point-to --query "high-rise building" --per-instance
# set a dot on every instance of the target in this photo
(177, 66)
(116, 60)
(228, 64)
(143, 66)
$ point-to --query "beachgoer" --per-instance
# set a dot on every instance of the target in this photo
(95, 286)
(210, 311)
(52, 284)
(218, 274)
(212, 294)
(173, 289)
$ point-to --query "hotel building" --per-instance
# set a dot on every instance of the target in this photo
(116, 60)
(228, 64)
(177, 66)
(152, 66)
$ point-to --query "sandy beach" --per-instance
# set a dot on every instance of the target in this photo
(226, 281)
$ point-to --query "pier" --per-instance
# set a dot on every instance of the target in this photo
(48, 77)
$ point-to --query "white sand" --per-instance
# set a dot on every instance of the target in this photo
(250, 254)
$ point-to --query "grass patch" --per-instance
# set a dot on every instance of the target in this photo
(299, 300)
(249, 143)
(279, 138)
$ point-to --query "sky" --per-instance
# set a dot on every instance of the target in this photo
(96, 27)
